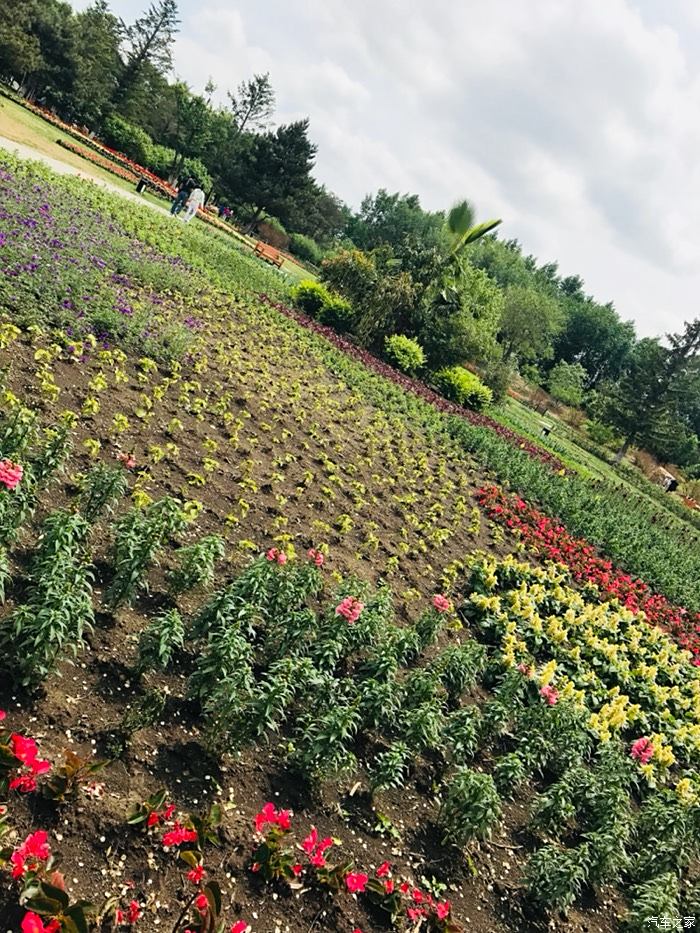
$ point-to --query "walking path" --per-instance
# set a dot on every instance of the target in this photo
(28, 152)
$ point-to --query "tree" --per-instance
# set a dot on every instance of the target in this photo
(594, 336)
(189, 129)
(149, 46)
(252, 104)
(646, 404)
(20, 51)
(266, 169)
(531, 320)
(99, 35)
(567, 381)
(389, 219)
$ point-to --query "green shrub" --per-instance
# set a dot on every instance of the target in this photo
(404, 353)
(337, 313)
(128, 139)
(459, 385)
(567, 381)
(470, 807)
(198, 170)
(310, 296)
(498, 376)
(161, 160)
(602, 434)
(305, 248)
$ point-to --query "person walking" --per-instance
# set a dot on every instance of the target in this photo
(184, 191)
(194, 202)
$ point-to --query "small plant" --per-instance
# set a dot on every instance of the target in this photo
(196, 564)
(391, 767)
(99, 491)
(140, 536)
(554, 876)
(310, 296)
(470, 806)
(67, 779)
(159, 640)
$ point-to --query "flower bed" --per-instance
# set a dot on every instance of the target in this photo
(551, 539)
(96, 159)
(417, 387)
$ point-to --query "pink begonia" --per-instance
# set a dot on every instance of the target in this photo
(642, 749)
(10, 474)
(550, 694)
(350, 608)
(441, 603)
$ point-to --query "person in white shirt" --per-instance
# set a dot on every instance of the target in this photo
(194, 202)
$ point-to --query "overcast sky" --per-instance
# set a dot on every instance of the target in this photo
(576, 121)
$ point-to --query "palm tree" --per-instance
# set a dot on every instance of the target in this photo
(461, 229)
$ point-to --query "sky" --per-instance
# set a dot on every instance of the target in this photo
(575, 121)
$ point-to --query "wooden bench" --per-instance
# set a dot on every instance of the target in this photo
(269, 254)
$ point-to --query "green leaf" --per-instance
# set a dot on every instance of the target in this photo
(190, 857)
(212, 892)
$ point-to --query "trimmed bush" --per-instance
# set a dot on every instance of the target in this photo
(161, 160)
(305, 248)
(337, 312)
(310, 296)
(404, 353)
(459, 385)
(131, 140)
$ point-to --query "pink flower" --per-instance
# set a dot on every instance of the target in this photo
(3, 714)
(356, 881)
(276, 556)
(642, 749)
(441, 603)
(550, 694)
(297, 869)
(316, 556)
(383, 870)
(129, 460)
(10, 474)
(350, 608)
(389, 886)
(240, 926)
(168, 812)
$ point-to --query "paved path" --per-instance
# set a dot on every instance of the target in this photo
(28, 152)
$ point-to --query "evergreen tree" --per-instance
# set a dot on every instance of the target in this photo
(149, 46)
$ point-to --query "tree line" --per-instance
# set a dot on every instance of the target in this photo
(405, 268)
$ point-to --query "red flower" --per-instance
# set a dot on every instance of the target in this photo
(442, 909)
(356, 882)
(27, 856)
(179, 834)
(133, 912)
(153, 818)
(168, 812)
(3, 714)
(389, 886)
(311, 841)
(270, 815)
(240, 926)
(275, 555)
(32, 923)
(195, 875)
(383, 870)
(201, 903)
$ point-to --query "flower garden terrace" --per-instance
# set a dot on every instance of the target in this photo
(144, 457)
(77, 259)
